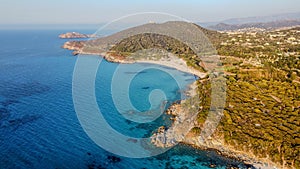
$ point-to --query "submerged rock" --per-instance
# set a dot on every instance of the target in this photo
(113, 159)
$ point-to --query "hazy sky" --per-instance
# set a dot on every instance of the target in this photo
(99, 11)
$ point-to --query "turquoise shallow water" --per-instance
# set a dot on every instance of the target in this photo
(38, 124)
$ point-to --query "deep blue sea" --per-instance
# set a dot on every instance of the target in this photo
(39, 126)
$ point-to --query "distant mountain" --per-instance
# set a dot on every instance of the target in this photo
(263, 22)
(263, 19)
(259, 25)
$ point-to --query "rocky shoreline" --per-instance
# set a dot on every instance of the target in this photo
(168, 137)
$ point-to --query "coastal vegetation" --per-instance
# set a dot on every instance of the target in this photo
(151, 41)
(261, 115)
(263, 94)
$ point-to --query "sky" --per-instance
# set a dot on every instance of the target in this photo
(102, 11)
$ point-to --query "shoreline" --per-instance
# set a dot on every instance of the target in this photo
(230, 152)
(164, 139)
(179, 67)
(172, 62)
